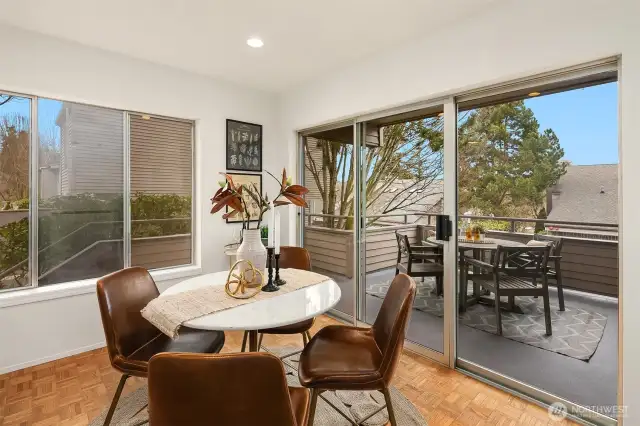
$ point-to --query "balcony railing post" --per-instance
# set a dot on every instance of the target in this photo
(512, 226)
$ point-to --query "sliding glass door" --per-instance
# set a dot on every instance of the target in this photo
(538, 166)
(328, 170)
(502, 204)
(403, 195)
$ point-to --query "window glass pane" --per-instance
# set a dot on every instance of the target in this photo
(161, 182)
(543, 169)
(80, 174)
(15, 122)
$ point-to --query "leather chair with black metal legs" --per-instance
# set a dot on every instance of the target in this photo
(226, 389)
(351, 358)
(298, 258)
(131, 339)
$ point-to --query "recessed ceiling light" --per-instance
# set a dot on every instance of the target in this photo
(255, 42)
(532, 94)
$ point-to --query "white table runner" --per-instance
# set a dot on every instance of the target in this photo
(168, 313)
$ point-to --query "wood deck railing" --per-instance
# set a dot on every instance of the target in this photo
(588, 264)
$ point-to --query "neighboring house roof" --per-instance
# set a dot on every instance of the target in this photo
(586, 194)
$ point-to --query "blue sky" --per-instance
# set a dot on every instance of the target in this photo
(48, 110)
(585, 120)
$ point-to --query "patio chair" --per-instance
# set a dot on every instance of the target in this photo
(420, 260)
(554, 272)
(511, 281)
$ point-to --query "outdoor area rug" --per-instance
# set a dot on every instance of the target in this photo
(356, 405)
(576, 332)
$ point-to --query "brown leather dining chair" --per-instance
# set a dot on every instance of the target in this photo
(350, 358)
(298, 258)
(228, 389)
(131, 339)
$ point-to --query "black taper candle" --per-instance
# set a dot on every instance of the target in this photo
(270, 286)
(278, 280)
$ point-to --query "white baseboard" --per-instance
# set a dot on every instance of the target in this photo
(20, 366)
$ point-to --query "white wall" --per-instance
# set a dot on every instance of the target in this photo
(511, 40)
(44, 66)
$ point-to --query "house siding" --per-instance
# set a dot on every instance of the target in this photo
(92, 145)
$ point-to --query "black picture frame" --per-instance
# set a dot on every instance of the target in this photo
(245, 178)
(242, 138)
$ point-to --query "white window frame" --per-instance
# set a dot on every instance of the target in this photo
(35, 293)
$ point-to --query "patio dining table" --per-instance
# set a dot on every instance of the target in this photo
(489, 245)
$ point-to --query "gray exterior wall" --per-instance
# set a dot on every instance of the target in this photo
(92, 147)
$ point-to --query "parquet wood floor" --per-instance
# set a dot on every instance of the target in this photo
(74, 390)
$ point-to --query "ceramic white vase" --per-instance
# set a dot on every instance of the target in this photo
(253, 250)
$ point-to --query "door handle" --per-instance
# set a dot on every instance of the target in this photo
(443, 227)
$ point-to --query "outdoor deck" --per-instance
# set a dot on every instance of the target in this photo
(579, 361)
(588, 383)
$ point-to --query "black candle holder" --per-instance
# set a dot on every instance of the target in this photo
(278, 280)
(270, 286)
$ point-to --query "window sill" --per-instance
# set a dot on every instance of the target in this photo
(75, 288)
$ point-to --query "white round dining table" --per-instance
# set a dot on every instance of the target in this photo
(279, 310)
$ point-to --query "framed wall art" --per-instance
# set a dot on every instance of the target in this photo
(252, 206)
(244, 146)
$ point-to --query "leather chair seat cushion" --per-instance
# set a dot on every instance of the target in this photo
(300, 404)
(340, 357)
(299, 327)
(189, 340)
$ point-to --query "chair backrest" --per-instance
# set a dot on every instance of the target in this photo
(121, 296)
(404, 247)
(557, 242)
(295, 257)
(391, 323)
(224, 389)
(537, 259)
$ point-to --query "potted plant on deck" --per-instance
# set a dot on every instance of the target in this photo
(478, 231)
(238, 197)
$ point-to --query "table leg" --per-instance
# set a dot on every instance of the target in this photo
(253, 340)
(463, 283)
(476, 270)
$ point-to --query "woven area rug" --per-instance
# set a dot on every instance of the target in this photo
(132, 409)
(576, 332)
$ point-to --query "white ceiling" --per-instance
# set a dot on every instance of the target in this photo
(303, 38)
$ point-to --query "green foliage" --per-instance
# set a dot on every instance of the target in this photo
(14, 248)
(14, 156)
(506, 162)
(478, 228)
(155, 215)
(486, 225)
(264, 232)
(22, 204)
